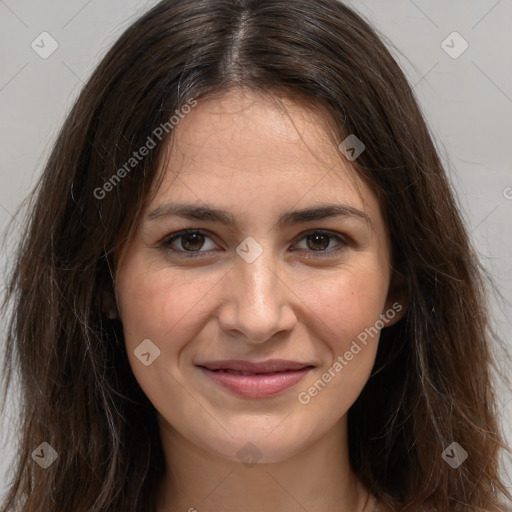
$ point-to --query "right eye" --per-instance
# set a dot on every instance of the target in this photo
(190, 240)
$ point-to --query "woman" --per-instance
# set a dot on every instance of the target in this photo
(245, 283)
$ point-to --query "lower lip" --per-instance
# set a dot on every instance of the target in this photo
(256, 386)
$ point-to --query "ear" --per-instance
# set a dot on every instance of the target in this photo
(396, 301)
(108, 302)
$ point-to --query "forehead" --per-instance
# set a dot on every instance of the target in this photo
(248, 132)
(245, 149)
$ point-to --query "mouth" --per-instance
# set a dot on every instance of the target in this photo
(255, 380)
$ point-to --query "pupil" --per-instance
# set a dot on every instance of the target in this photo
(197, 241)
(194, 241)
(316, 239)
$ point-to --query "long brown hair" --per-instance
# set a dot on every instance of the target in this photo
(432, 383)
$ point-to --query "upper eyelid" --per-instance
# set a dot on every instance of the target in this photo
(184, 232)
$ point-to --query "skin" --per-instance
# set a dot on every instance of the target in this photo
(242, 153)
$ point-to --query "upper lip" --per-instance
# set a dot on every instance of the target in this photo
(269, 366)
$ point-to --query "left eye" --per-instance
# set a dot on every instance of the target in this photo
(192, 241)
(318, 241)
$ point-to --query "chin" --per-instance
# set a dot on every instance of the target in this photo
(255, 445)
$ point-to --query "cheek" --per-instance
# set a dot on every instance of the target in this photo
(165, 308)
(347, 302)
(155, 302)
(347, 308)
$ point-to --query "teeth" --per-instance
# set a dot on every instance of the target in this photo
(236, 372)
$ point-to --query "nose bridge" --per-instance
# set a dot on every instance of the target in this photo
(255, 269)
(260, 284)
(257, 302)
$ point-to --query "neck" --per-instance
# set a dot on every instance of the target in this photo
(318, 478)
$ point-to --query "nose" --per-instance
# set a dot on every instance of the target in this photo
(257, 300)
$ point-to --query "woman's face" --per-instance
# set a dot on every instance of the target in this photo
(288, 259)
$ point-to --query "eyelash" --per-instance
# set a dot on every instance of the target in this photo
(168, 240)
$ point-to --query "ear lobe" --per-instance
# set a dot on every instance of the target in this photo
(108, 304)
(396, 302)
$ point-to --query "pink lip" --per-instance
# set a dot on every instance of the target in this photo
(266, 379)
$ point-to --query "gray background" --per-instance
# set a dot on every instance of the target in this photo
(467, 102)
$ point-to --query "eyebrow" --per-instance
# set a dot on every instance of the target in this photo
(210, 213)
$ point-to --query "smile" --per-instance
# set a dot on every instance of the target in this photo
(255, 380)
